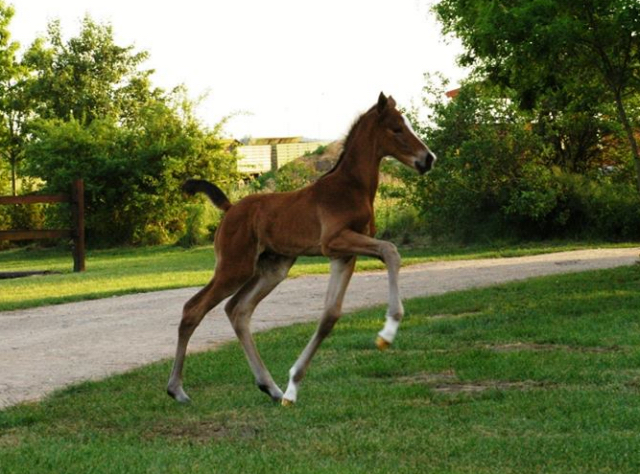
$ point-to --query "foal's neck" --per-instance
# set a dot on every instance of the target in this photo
(361, 160)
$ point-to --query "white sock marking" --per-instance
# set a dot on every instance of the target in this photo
(390, 329)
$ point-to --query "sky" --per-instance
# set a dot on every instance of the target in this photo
(278, 67)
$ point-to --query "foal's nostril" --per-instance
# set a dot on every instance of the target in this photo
(425, 164)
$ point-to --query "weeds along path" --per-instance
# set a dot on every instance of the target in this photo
(47, 348)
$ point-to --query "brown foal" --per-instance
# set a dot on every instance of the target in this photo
(260, 237)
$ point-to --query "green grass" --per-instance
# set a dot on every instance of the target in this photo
(134, 270)
(529, 377)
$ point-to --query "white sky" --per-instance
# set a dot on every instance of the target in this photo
(294, 67)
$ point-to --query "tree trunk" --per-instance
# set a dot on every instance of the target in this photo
(13, 177)
(622, 114)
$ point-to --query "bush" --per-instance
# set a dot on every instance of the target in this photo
(490, 183)
(200, 224)
(494, 180)
(132, 173)
(597, 208)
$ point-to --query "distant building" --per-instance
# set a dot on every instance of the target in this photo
(261, 155)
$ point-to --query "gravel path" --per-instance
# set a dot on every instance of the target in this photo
(47, 348)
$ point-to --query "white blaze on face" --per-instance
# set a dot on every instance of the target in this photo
(408, 124)
(413, 132)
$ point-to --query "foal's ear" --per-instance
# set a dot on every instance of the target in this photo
(382, 103)
(391, 102)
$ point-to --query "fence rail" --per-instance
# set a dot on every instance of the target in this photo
(76, 198)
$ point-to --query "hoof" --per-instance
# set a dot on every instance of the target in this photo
(287, 403)
(179, 395)
(276, 394)
(382, 344)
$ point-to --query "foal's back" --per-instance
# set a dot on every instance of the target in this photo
(295, 223)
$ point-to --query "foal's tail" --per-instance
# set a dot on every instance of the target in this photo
(213, 192)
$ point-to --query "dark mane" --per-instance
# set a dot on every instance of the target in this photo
(348, 140)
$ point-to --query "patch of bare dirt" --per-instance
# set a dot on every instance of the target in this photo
(448, 383)
(529, 346)
(460, 387)
(456, 315)
(202, 431)
(11, 438)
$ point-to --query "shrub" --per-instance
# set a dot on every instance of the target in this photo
(132, 174)
(494, 180)
(597, 208)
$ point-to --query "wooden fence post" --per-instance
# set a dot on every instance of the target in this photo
(76, 199)
(77, 209)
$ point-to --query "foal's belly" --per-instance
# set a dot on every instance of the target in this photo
(290, 233)
(293, 248)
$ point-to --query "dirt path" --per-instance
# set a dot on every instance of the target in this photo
(47, 348)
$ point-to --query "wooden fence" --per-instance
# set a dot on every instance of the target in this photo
(76, 198)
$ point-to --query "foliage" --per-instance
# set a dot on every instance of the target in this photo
(294, 175)
(318, 151)
(99, 118)
(490, 171)
(13, 101)
(88, 76)
(495, 178)
(570, 59)
(597, 207)
(132, 175)
(200, 223)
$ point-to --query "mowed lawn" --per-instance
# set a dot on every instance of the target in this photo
(530, 377)
(134, 270)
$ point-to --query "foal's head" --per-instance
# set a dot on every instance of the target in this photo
(397, 138)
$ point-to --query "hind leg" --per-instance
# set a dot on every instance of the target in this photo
(225, 282)
(272, 269)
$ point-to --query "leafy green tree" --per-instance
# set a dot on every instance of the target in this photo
(491, 178)
(99, 118)
(87, 77)
(13, 103)
(584, 52)
(132, 174)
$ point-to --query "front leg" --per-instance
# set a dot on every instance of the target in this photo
(341, 271)
(353, 243)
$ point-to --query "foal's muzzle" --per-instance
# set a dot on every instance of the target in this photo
(424, 164)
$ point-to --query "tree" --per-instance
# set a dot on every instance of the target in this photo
(132, 173)
(87, 77)
(13, 104)
(493, 179)
(586, 51)
(99, 118)
(490, 180)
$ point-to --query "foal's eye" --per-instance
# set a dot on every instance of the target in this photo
(397, 131)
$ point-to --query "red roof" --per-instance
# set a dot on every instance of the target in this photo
(452, 94)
